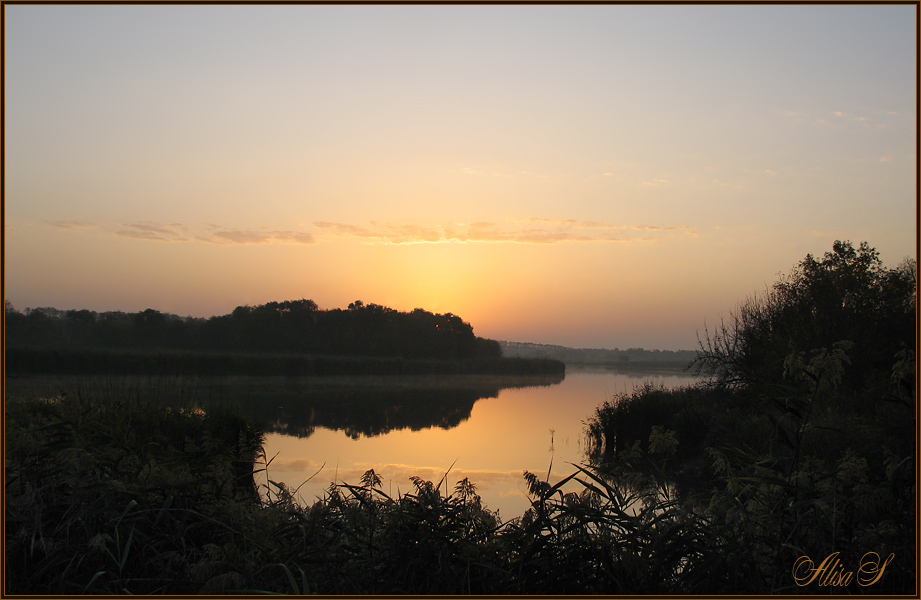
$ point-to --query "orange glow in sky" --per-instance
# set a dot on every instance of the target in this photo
(593, 176)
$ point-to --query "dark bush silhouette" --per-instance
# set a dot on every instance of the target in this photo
(847, 295)
(802, 441)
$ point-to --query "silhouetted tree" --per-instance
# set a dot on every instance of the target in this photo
(845, 296)
(80, 327)
(288, 327)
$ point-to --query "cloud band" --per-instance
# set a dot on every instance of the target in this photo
(534, 230)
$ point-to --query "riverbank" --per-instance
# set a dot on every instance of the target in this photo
(638, 366)
(109, 498)
(105, 498)
(113, 498)
(93, 361)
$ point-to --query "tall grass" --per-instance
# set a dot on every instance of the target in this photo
(117, 498)
(130, 497)
(791, 472)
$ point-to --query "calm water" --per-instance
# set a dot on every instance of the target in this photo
(321, 431)
(538, 429)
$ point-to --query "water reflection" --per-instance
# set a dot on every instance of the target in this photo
(331, 430)
(368, 407)
(538, 429)
(360, 406)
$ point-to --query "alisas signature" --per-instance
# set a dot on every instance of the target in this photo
(830, 572)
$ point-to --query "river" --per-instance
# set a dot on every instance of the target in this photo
(536, 428)
(321, 431)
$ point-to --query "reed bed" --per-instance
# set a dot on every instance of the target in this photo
(777, 477)
(129, 497)
(99, 361)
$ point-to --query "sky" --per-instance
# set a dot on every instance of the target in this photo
(586, 175)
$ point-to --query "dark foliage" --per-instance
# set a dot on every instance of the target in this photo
(95, 361)
(279, 338)
(122, 498)
(846, 296)
(290, 327)
(802, 442)
(114, 499)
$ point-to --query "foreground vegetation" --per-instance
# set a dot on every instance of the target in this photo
(115, 499)
(803, 443)
(106, 499)
(732, 487)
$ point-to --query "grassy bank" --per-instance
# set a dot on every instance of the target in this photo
(105, 498)
(90, 361)
(774, 479)
(111, 499)
(124, 498)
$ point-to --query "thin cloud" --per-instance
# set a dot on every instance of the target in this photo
(241, 237)
(293, 237)
(727, 184)
(345, 230)
(656, 228)
(533, 230)
(469, 171)
(177, 232)
(140, 234)
(543, 220)
(237, 236)
(165, 232)
(73, 225)
(879, 119)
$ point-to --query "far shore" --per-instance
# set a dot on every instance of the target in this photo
(644, 366)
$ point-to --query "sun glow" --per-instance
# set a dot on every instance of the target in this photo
(440, 277)
(553, 192)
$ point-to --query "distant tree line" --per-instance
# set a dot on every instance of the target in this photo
(597, 356)
(290, 327)
(189, 363)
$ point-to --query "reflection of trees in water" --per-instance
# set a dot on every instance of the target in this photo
(298, 405)
(366, 411)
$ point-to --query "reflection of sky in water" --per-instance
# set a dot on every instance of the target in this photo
(503, 437)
